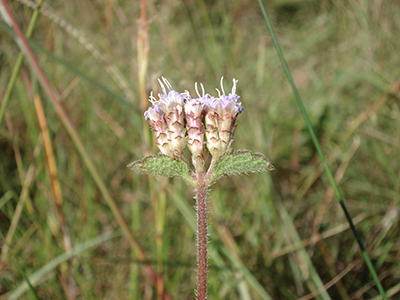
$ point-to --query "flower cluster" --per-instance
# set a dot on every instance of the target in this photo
(178, 119)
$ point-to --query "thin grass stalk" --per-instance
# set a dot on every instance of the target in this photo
(307, 271)
(26, 182)
(7, 196)
(18, 63)
(346, 271)
(153, 186)
(172, 45)
(54, 98)
(332, 270)
(55, 187)
(143, 58)
(27, 179)
(134, 270)
(161, 203)
(38, 276)
(212, 50)
(321, 154)
(392, 90)
(143, 53)
(80, 37)
(74, 70)
(22, 272)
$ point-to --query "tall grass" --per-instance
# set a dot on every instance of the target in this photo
(321, 154)
(274, 236)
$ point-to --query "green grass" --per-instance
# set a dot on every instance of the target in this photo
(280, 235)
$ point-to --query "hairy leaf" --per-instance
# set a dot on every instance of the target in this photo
(239, 162)
(162, 165)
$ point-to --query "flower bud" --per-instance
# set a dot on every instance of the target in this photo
(194, 113)
(159, 126)
(175, 120)
(212, 132)
(167, 120)
(221, 114)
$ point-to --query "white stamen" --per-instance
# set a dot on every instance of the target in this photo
(152, 99)
(169, 86)
(222, 85)
(197, 90)
(202, 87)
(162, 86)
(219, 93)
(234, 86)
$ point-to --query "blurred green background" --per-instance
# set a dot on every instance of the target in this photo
(280, 235)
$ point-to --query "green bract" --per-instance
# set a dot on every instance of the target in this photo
(163, 165)
(239, 162)
(236, 163)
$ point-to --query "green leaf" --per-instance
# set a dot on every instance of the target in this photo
(162, 165)
(239, 162)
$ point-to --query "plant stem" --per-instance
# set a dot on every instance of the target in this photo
(201, 199)
(18, 63)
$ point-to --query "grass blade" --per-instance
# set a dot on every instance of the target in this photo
(37, 276)
(74, 70)
(55, 186)
(54, 98)
(306, 267)
(321, 154)
(5, 198)
(18, 63)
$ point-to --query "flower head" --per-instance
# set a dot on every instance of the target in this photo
(221, 114)
(194, 114)
(166, 118)
(214, 116)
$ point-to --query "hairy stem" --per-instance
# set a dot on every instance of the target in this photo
(201, 199)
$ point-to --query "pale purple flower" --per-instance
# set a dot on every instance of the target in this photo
(221, 114)
(194, 114)
(214, 116)
(166, 118)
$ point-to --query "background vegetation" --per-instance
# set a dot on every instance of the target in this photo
(280, 235)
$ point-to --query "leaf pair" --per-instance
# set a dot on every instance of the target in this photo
(236, 163)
